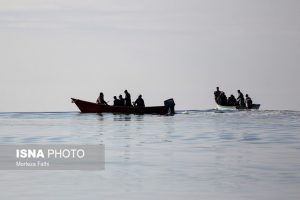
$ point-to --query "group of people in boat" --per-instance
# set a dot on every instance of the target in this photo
(240, 101)
(139, 102)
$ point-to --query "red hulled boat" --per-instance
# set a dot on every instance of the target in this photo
(89, 107)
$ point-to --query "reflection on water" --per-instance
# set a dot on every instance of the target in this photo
(121, 117)
(192, 155)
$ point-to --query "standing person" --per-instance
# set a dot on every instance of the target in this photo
(248, 102)
(122, 100)
(139, 102)
(127, 98)
(240, 99)
(100, 99)
(217, 94)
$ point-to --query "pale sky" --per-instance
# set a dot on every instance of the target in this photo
(51, 50)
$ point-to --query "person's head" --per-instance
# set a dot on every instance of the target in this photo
(217, 88)
(231, 96)
(120, 96)
(140, 96)
(125, 91)
(246, 95)
(115, 97)
(239, 91)
(101, 94)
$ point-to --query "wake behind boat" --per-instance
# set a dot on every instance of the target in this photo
(89, 107)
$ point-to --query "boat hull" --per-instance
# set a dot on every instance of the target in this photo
(230, 108)
(89, 107)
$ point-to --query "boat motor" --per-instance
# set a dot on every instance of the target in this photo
(170, 104)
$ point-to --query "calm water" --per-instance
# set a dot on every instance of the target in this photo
(192, 155)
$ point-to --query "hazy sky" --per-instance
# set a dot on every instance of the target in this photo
(51, 50)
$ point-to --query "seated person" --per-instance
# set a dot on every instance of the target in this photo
(248, 102)
(231, 101)
(117, 102)
(222, 99)
(122, 100)
(139, 102)
(100, 99)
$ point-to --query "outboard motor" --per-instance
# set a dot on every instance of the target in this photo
(170, 104)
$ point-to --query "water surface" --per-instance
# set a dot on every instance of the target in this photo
(191, 155)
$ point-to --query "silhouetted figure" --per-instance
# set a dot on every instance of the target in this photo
(240, 99)
(170, 105)
(117, 102)
(222, 99)
(217, 94)
(248, 102)
(100, 99)
(139, 102)
(231, 101)
(127, 98)
(122, 100)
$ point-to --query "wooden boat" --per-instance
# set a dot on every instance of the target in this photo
(231, 108)
(89, 107)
